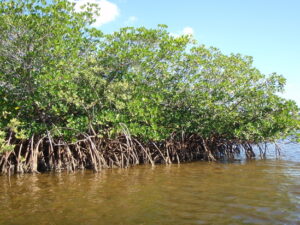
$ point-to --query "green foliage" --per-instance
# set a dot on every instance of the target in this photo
(58, 74)
(4, 145)
(15, 128)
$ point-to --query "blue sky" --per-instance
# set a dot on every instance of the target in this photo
(268, 30)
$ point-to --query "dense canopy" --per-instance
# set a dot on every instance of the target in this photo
(62, 80)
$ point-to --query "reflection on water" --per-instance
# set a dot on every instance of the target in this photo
(255, 192)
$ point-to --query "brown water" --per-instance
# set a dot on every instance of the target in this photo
(256, 192)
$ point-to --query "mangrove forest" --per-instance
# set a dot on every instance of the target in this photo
(72, 97)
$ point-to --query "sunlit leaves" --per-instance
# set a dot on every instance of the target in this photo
(59, 74)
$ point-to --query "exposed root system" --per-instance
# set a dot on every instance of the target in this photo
(91, 152)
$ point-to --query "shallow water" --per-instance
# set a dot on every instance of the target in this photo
(243, 192)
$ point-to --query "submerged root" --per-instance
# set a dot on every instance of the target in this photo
(39, 154)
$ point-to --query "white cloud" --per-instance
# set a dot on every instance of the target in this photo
(188, 31)
(131, 20)
(184, 31)
(108, 10)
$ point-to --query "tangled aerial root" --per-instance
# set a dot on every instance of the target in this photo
(92, 152)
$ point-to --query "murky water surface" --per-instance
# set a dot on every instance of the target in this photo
(255, 192)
